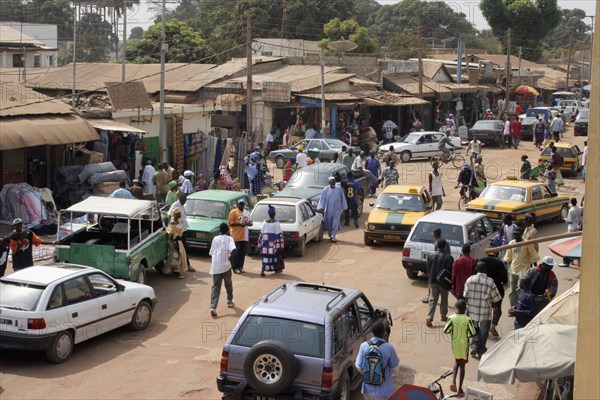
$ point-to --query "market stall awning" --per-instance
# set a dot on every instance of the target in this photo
(385, 98)
(463, 87)
(114, 126)
(30, 131)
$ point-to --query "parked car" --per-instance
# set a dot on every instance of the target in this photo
(299, 342)
(299, 222)
(571, 106)
(518, 198)
(418, 144)
(308, 182)
(326, 148)
(127, 238)
(529, 119)
(487, 131)
(206, 210)
(458, 228)
(51, 308)
(582, 121)
(395, 212)
(571, 155)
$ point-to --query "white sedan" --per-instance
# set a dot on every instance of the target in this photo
(299, 222)
(418, 144)
(53, 307)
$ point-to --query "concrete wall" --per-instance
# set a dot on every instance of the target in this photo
(47, 58)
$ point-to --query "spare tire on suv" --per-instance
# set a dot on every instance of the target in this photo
(270, 367)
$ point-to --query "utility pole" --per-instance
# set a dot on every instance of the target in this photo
(323, 122)
(73, 95)
(508, 69)
(420, 55)
(567, 86)
(249, 71)
(459, 61)
(520, 55)
(124, 45)
(162, 136)
(282, 27)
(591, 44)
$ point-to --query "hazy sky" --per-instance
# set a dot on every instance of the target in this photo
(142, 16)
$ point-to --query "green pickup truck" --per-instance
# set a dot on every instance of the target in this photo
(123, 237)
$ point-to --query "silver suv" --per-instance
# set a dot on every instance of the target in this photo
(298, 342)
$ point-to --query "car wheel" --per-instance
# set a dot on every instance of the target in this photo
(405, 156)
(320, 234)
(368, 242)
(270, 367)
(300, 251)
(280, 161)
(344, 387)
(141, 278)
(141, 316)
(562, 215)
(61, 349)
(412, 274)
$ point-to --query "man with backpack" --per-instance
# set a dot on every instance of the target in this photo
(375, 360)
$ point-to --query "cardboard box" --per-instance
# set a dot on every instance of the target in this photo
(105, 187)
(85, 156)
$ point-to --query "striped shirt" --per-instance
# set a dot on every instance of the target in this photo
(480, 292)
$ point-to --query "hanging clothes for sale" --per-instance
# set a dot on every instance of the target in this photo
(218, 148)
(227, 152)
(210, 143)
(24, 201)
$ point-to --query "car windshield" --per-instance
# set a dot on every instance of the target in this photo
(286, 214)
(335, 144)
(205, 208)
(423, 233)
(19, 295)
(302, 338)
(536, 112)
(314, 177)
(563, 152)
(411, 138)
(398, 202)
(485, 125)
(503, 192)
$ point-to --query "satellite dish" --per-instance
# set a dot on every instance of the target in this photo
(342, 46)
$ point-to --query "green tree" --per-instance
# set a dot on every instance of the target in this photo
(184, 44)
(363, 9)
(349, 29)
(530, 22)
(572, 24)
(137, 32)
(94, 38)
(402, 46)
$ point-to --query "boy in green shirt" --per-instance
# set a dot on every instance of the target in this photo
(460, 328)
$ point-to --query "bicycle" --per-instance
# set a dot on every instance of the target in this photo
(465, 197)
(457, 159)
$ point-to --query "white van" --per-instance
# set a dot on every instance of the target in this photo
(458, 228)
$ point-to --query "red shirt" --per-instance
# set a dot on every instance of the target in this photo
(515, 128)
(462, 269)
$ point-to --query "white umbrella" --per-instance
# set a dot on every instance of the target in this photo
(532, 354)
(563, 310)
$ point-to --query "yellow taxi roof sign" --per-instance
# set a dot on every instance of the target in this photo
(413, 191)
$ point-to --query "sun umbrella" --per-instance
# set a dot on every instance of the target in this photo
(412, 392)
(563, 309)
(524, 89)
(563, 93)
(568, 247)
(531, 354)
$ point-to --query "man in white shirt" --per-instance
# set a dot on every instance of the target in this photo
(357, 164)
(301, 159)
(270, 142)
(556, 126)
(506, 133)
(575, 221)
(584, 160)
(388, 129)
(222, 251)
(310, 133)
(474, 149)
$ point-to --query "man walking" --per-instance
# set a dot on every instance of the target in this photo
(515, 131)
(435, 264)
(389, 360)
(505, 133)
(332, 203)
(390, 175)
(180, 203)
(222, 252)
(436, 188)
(21, 244)
(239, 220)
(147, 175)
(374, 167)
(388, 128)
(496, 270)
(556, 126)
(352, 190)
(161, 182)
(462, 269)
(520, 259)
(575, 221)
(349, 158)
(480, 293)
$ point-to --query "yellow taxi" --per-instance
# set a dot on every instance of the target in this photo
(518, 198)
(570, 153)
(395, 212)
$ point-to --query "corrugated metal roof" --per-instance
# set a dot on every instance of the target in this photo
(114, 126)
(392, 99)
(338, 96)
(410, 85)
(463, 87)
(17, 100)
(15, 75)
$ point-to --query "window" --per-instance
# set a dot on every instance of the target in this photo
(37, 61)
(51, 61)
(365, 312)
(423, 233)
(536, 193)
(102, 285)
(489, 226)
(57, 298)
(546, 193)
(315, 145)
(18, 60)
(305, 214)
(77, 290)
(472, 233)
(309, 209)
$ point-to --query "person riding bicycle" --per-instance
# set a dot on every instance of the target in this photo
(466, 178)
(442, 147)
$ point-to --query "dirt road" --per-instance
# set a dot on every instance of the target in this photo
(178, 356)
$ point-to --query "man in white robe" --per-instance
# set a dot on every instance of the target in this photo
(147, 175)
(332, 203)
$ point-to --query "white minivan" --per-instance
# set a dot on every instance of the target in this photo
(457, 228)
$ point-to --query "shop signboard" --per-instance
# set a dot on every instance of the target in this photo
(278, 92)
(403, 67)
(308, 101)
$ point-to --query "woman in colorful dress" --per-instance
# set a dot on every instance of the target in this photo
(176, 259)
(271, 244)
